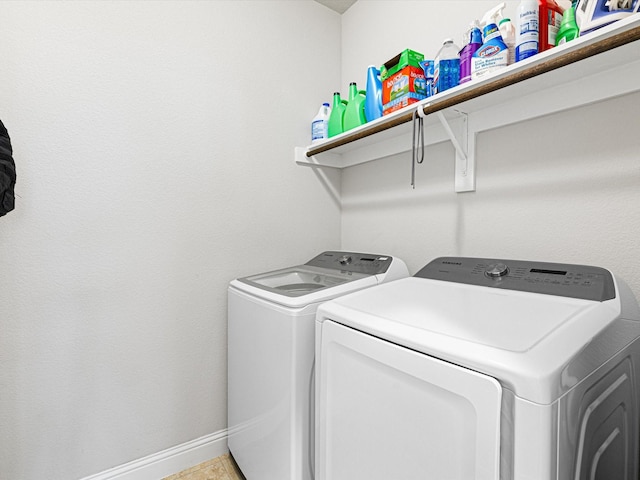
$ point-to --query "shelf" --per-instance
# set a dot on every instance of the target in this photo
(602, 65)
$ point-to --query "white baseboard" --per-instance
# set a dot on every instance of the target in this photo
(170, 461)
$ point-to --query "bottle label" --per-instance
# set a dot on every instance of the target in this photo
(488, 59)
(526, 50)
(555, 20)
(528, 26)
(465, 61)
(447, 74)
(527, 35)
(318, 130)
(489, 51)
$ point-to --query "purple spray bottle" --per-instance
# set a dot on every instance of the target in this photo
(475, 42)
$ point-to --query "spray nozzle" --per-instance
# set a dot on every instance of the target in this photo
(473, 34)
(492, 15)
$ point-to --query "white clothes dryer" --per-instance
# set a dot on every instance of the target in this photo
(271, 329)
(480, 369)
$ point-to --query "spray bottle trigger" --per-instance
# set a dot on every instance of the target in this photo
(490, 16)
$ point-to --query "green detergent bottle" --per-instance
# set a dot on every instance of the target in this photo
(336, 119)
(568, 28)
(354, 114)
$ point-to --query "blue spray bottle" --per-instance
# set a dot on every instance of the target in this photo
(373, 101)
(494, 53)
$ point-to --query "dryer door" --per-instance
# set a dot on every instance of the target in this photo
(384, 411)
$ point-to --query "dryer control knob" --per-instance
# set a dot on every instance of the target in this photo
(345, 260)
(496, 270)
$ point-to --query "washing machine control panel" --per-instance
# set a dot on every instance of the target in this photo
(575, 281)
(352, 262)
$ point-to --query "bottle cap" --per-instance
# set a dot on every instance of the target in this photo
(476, 36)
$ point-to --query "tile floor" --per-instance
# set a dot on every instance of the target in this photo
(220, 468)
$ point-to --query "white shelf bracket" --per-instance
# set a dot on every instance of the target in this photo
(329, 159)
(465, 145)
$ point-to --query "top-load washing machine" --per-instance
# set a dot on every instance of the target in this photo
(271, 330)
(480, 369)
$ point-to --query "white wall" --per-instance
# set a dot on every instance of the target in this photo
(154, 149)
(561, 188)
(420, 25)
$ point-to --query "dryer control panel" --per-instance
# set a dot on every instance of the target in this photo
(352, 262)
(566, 280)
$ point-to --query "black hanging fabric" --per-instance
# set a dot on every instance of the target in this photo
(7, 173)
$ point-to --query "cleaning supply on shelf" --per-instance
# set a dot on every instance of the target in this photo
(593, 14)
(568, 28)
(399, 86)
(427, 68)
(527, 31)
(336, 117)
(373, 101)
(494, 53)
(420, 84)
(508, 34)
(320, 124)
(446, 70)
(354, 113)
(550, 18)
(473, 37)
(506, 27)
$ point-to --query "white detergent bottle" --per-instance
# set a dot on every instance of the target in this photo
(508, 33)
(320, 124)
(527, 29)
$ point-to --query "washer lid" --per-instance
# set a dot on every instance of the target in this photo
(524, 339)
(297, 287)
(326, 276)
(300, 280)
(510, 321)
